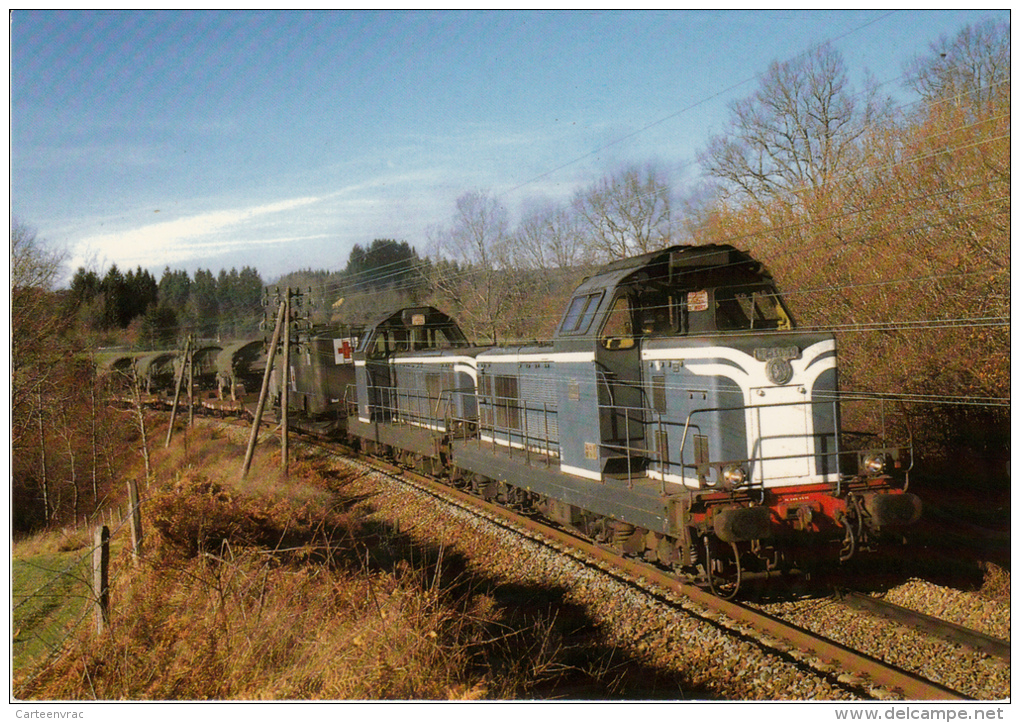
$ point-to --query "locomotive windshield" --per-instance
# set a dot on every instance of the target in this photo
(749, 307)
(412, 329)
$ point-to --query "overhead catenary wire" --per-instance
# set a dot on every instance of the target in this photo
(861, 284)
(691, 106)
(342, 286)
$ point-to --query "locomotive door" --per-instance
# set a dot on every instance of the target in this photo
(380, 390)
(379, 369)
(618, 376)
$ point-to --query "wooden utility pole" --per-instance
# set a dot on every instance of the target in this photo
(134, 500)
(177, 391)
(262, 396)
(45, 481)
(285, 392)
(140, 415)
(190, 361)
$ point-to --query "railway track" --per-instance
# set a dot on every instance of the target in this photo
(827, 658)
(926, 623)
(865, 675)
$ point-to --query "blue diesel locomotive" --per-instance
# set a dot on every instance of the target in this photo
(678, 415)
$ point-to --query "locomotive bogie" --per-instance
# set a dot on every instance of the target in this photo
(677, 416)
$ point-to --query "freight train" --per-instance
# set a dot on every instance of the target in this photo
(677, 415)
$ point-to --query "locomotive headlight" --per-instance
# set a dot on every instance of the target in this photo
(734, 475)
(874, 464)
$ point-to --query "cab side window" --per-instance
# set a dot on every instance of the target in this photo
(618, 332)
(388, 341)
(580, 313)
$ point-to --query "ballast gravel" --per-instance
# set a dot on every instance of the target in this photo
(955, 666)
(967, 609)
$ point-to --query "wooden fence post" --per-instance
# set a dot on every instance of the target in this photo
(101, 578)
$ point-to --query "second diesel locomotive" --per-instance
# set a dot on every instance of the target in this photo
(677, 415)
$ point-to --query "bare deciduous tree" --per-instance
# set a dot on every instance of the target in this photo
(35, 326)
(550, 236)
(483, 286)
(972, 65)
(34, 270)
(627, 212)
(798, 131)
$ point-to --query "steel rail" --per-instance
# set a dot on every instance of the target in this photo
(909, 685)
(926, 623)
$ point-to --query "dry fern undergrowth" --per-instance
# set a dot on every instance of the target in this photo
(246, 594)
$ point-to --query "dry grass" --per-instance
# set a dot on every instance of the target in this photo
(51, 541)
(996, 584)
(279, 589)
(248, 628)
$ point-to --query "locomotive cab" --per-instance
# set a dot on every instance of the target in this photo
(680, 293)
(678, 414)
(704, 384)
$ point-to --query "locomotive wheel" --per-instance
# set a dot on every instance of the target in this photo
(722, 567)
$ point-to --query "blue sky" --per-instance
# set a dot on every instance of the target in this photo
(279, 140)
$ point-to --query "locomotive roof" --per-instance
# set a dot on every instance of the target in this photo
(409, 322)
(403, 317)
(686, 257)
(673, 270)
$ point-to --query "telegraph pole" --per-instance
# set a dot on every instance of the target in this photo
(262, 395)
(177, 391)
(191, 382)
(285, 392)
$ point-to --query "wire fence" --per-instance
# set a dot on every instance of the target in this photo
(76, 589)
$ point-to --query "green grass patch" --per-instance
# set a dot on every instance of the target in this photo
(50, 592)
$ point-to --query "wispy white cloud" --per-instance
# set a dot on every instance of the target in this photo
(218, 247)
(393, 194)
(189, 236)
(199, 225)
